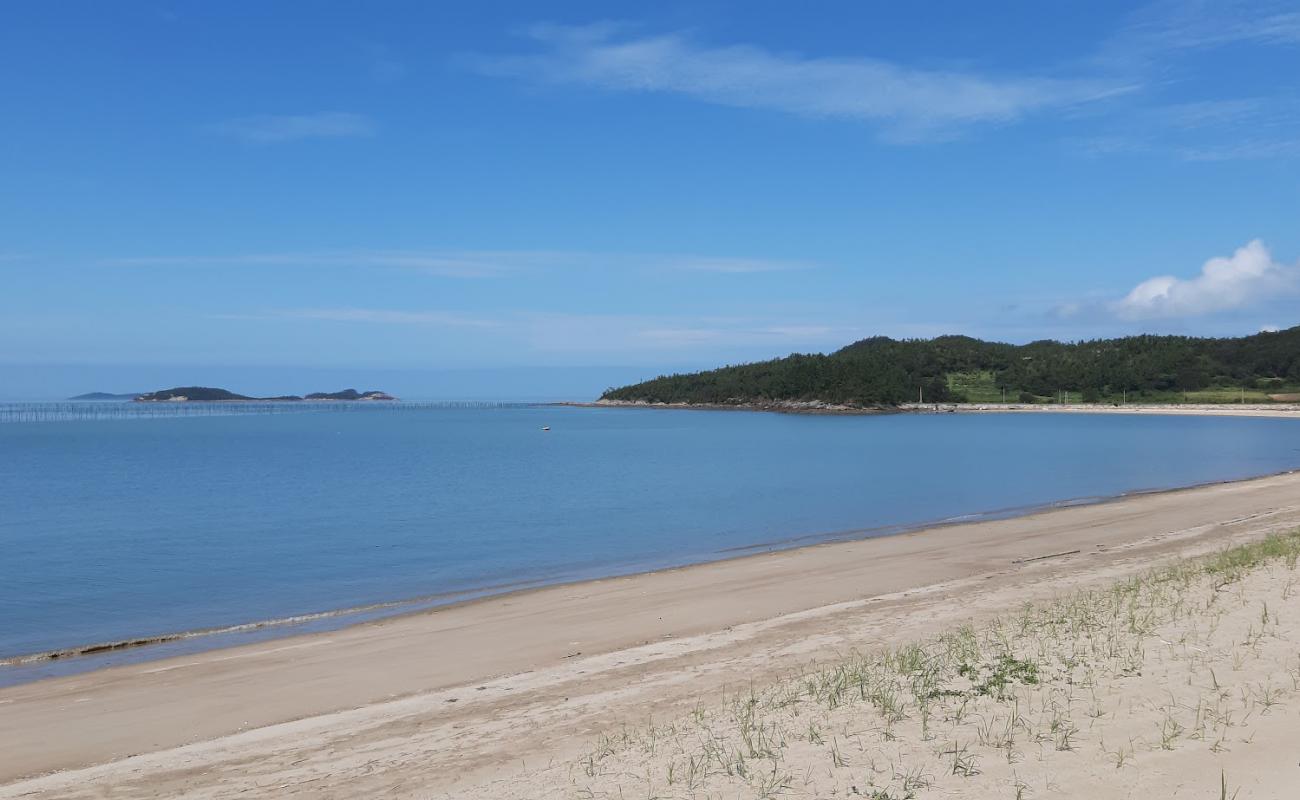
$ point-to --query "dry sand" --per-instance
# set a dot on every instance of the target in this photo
(1178, 683)
(504, 697)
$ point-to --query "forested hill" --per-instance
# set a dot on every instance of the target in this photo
(883, 371)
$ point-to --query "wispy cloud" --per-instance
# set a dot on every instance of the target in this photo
(380, 316)
(277, 128)
(1248, 128)
(1250, 275)
(1186, 49)
(633, 333)
(384, 66)
(733, 265)
(909, 103)
(1163, 28)
(450, 264)
(476, 263)
(552, 332)
(745, 331)
(1248, 150)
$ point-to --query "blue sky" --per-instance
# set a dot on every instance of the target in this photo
(422, 193)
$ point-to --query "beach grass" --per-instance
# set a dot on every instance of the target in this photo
(1184, 659)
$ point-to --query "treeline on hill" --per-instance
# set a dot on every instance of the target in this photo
(883, 371)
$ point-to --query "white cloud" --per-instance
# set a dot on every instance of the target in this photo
(912, 103)
(1248, 276)
(275, 128)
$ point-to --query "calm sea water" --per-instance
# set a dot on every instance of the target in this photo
(118, 529)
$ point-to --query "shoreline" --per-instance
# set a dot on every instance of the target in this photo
(569, 654)
(1279, 410)
(164, 645)
(141, 650)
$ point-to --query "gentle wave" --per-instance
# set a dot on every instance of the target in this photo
(371, 609)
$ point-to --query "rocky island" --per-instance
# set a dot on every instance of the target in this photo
(205, 394)
(107, 396)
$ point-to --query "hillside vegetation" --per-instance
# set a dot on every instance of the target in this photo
(883, 371)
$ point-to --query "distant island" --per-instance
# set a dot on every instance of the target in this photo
(107, 396)
(205, 394)
(881, 372)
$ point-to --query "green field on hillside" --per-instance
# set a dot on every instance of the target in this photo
(980, 386)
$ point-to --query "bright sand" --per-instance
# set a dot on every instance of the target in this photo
(442, 703)
(1285, 410)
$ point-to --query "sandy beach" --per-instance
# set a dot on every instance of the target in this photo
(444, 703)
(1279, 410)
(682, 401)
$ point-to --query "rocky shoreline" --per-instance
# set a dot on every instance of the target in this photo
(775, 406)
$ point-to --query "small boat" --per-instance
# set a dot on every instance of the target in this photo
(546, 427)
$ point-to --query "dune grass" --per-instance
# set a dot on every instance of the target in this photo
(1182, 656)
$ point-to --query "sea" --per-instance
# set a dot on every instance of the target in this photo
(202, 525)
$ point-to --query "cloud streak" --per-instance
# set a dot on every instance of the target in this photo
(1165, 27)
(475, 263)
(567, 333)
(908, 103)
(279, 128)
(629, 333)
(1182, 49)
(440, 319)
(1208, 130)
(444, 264)
(1250, 275)
(732, 266)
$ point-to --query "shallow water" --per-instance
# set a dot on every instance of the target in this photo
(124, 529)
